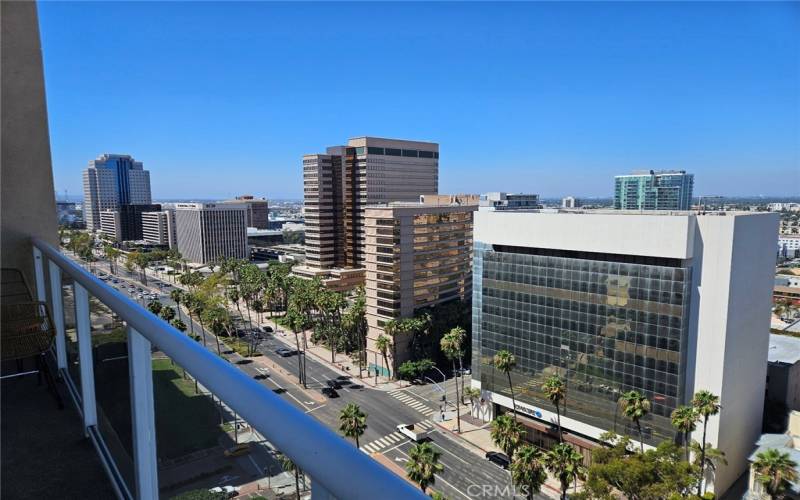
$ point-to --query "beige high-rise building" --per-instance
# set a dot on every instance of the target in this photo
(416, 255)
(158, 228)
(338, 186)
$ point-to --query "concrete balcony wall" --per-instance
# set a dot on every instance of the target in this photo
(27, 201)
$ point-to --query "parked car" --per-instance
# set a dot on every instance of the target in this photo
(498, 459)
(267, 329)
(284, 352)
(408, 431)
(331, 393)
(228, 491)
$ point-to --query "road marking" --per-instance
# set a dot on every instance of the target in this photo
(317, 408)
(258, 469)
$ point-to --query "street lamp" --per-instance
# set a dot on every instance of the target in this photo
(444, 389)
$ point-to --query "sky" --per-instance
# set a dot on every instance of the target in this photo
(220, 99)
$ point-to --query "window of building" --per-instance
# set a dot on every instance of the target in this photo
(426, 154)
(374, 151)
(393, 152)
(411, 153)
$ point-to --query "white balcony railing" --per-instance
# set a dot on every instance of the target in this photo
(337, 469)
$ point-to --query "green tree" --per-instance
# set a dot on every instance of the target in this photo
(775, 472)
(712, 457)
(112, 254)
(383, 344)
(155, 307)
(178, 324)
(635, 406)
(167, 313)
(506, 434)
(528, 470)
(352, 422)
(706, 404)
(289, 466)
(451, 345)
(473, 394)
(684, 420)
(554, 389)
(659, 473)
(566, 463)
(423, 464)
(177, 296)
(215, 318)
(505, 362)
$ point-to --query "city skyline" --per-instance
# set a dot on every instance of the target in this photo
(558, 103)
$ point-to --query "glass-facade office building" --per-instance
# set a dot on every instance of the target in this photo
(605, 323)
(654, 190)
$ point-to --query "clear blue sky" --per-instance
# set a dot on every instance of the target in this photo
(555, 98)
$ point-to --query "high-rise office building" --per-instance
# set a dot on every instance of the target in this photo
(568, 202)
(339, 184)
(663, 304)
(158, 228)
(125, 223)
(207, 232)
(417, 255)
(110, 181)
(257, 210)
(654, 190)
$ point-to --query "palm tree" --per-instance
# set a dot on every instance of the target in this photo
(566, 463)
(684, 419)
(167, 313)
(352, 422)
(391, 329)
(712, 457)
(155, 307)
(775, 471)
(451, 347)
(528, 470)
(505, 362)
(635, 406)
(706, 404)
(459, 336)
(555, 391)
(288, 466)
(473, 394)
(178, 324)
(507, 434)
(383, 343)
(215, 318)
(423, 464)
(112, 254)
(177, 296)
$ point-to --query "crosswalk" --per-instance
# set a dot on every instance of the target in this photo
(407, 400)
(393, 438)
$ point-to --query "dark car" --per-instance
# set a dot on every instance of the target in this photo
(267, 329)
(334, 384)
(331, 393)
(284, 352)
(498, 459)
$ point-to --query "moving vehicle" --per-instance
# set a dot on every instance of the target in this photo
(498, 459)
(267, 329)
(331, 393)
(408, 431)
(284, 352)
(334, 384)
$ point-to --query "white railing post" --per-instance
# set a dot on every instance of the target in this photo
(140, 366)
(84, 328)
(38, 269)
(58, 315)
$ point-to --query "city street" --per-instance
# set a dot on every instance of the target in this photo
(466, 474)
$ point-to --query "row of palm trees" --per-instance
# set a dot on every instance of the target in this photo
(774, 469)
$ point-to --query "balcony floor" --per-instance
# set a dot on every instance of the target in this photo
(44, 451)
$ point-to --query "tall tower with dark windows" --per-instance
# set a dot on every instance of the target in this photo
(111, 181)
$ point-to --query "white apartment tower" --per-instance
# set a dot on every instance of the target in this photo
(207, 232)
(110, 181)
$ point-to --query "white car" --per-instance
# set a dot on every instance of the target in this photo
(229, 491)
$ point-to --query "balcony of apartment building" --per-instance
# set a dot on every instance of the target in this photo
(101, 398)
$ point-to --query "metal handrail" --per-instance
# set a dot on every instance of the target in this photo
(341, 469)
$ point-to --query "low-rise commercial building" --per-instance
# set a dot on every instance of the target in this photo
(787, 442)
(158, 228)
(207, 232)
(783, 372)
(417, 255)
(661, 303)
(509, 201)
(125, 223)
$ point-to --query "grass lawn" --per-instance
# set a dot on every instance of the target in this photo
(185, 422)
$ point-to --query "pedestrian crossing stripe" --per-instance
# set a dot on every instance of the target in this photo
(391, 439)
(413, 403)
